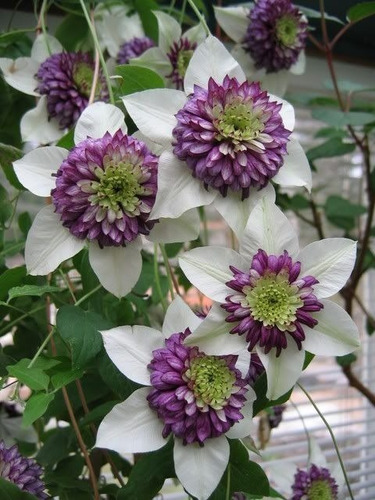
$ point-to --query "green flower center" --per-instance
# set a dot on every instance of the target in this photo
(320, 490)
(119, 187)
(287, 30)
(273, 301)
(183, 60)
(83, 76)
(238, 121)
(212, 381)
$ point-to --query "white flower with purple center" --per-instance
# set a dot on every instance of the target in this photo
(197, 399)
(273, 295)
(62, 80)
(102, 193)
(171, 57)
(224, 139)
(270, 38)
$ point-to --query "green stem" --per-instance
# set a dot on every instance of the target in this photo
(200, 17)
(182, 13)
(98, 48)
(157, 278)
(227, 494)
(203, 218)
(168, 268)
(43, 25)
(14, 322)
(171, 6)
(332, 437)
(40, 350)
(305, 429)
(85, 297)
(68, 285)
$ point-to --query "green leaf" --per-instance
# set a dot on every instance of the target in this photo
(67, 140)
(360, 11)
(34, 377)
(9, 154)
(315, 14)
(149, 23)
(58, 443)
(72, 32)
(35, 407)
(342, 213)
(328, 132)
(340, 119)
(332, 147)
(137, 78)
(80, 329)
(10, 491)
(63, 375)
(148, 475)
(24, 222)
(346, 360)
(31, 290)
(9, 279)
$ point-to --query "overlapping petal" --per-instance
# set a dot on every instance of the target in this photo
(98, 119)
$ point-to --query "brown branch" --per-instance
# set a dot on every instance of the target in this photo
(357, 384)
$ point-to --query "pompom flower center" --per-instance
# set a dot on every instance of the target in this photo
(271, 302)
(287, 30)
(212, 381)
(320, 490)
(274, 301)
(183, 60)
(314, 484)
(83, 77)
(179, 56)
(238, 121)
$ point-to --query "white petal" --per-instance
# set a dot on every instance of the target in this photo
(199, 468)
(233, 20)
(236, 212)
(330, 261)
(37, 127)
(130, 348)
(152, 146)
(36, 168)
(244, 427)
(270, 230)
(118, 268)
(286, 112)
(178, 317)
(276, 83)
(247, 64)
(97, 119)
(131, 426)
(153, 58)
(316, 454)
(197, 34)
(169, 31)
(178, 191)
(282, 475)
(207, 268)
(212, 336)
(296, 169)
(153, 111)
(44, 46)
(211, 60)
(49, 243)
(20, 74)
(299, 66)
(336, 334)
(185, 228)
(283, 371)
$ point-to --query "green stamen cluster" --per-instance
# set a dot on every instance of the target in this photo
(119, 187)
(320, 490)
(273, 301)
(212, 381)
(287, 30)
(83, 76)
(183, 60)
(238, 122)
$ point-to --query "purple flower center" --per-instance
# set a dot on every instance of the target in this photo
(314, 484)
(106, 188)
(179, 55)
(195, 395)
(271, 302)
(24, 472)
(276, 34)
(231, 136)
(66, 80)
(133, 48)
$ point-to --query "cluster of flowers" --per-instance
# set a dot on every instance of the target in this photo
(213, 137)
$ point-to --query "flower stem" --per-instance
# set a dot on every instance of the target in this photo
(227, 494)
(98, 48)
(42, 24)
(40, 350)
(332, 437)
(200, 17)
(157, 278)
(168, 268)
(91, 292)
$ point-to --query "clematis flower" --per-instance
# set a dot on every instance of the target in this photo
(198, 400)
(120, 32)
(274, 296)
(62, 79)
(23, 472)
(224, 139)
(102, 194)
(270, 38)
(171, 57)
